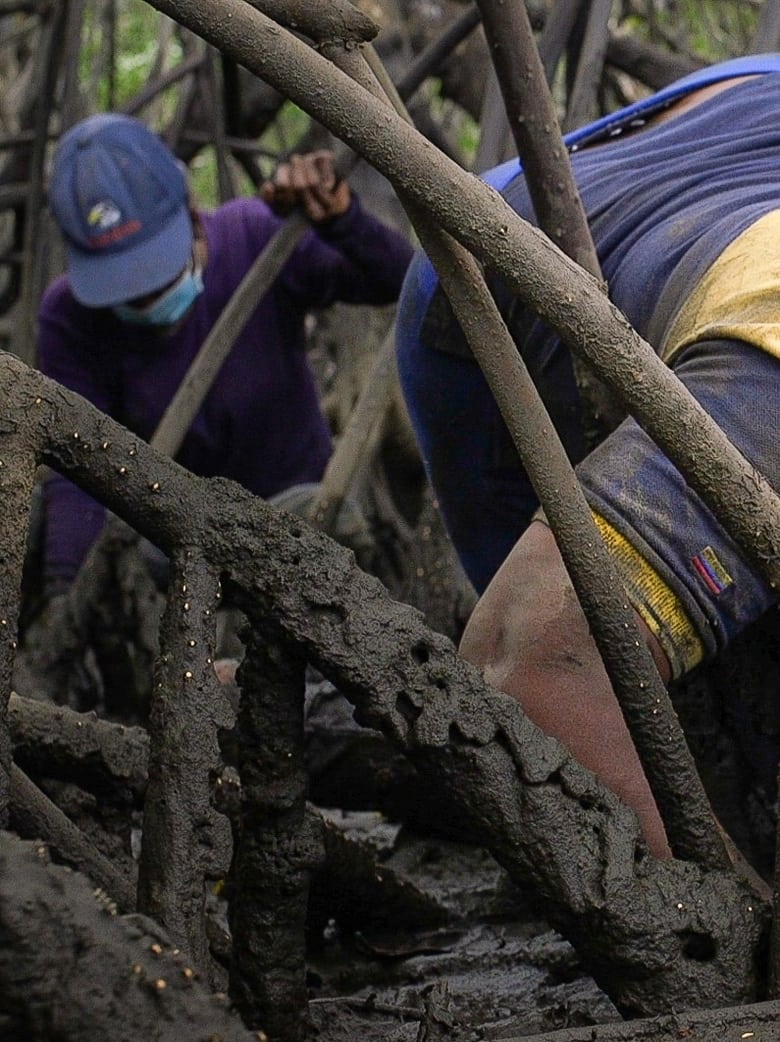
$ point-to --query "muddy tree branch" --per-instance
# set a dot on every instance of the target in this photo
(34, 816)
(277, 849)
(534, 124)
(17, 476)
(652, 65)
(337, 21)
(185, 839)
(654, 934)
(68, 963)
(553, 190)
(590, 63)
(56, 742)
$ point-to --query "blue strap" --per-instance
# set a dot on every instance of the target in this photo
(425, 276)
(750, 65)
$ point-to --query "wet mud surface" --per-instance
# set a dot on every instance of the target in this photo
(442, 910)
(405, 900)
(396, 909)
(507, 973)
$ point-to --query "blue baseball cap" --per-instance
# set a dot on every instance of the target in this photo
(119, 196)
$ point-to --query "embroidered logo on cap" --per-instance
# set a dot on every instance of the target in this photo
(711, 571)
(104, 215)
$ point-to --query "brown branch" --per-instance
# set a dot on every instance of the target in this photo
(95, 754)
(185, 840)
(54, 647)
(557, 29)
(51, 46)
(534, 123)
(590, 65)
(338, 21)
(212, 97)
(278, 847)
(428, 60)
(650, 64)
(17, 477)
(548, 174)
(161, 83)
(23, 7)
(767, 36)
(359, 439)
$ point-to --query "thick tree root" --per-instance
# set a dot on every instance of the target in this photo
(655, 935)
(72, 971)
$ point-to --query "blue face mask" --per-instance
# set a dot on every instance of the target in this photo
(171, 307)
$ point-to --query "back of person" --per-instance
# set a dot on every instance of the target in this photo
(664, 201)
(684, 206)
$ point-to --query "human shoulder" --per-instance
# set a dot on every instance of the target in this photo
(67, 330)
(242, 210)
(238, 224)
(58, 295)
(59, 308)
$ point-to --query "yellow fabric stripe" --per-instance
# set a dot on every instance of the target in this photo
(738, 298)
(658, 605)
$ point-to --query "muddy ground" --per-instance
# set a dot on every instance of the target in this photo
(400, 908)
(404, 903)
(406, 900)
(507, 972)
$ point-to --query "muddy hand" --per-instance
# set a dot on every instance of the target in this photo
(308, 181)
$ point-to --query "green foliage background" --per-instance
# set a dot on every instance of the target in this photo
(143, 41)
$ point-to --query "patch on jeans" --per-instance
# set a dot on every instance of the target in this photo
(711, 571)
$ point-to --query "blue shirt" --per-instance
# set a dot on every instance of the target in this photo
(663, 205)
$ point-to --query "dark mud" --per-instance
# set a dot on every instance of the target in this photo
(398, 908)
(507, 973)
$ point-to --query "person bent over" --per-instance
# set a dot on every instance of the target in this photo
(682, 193)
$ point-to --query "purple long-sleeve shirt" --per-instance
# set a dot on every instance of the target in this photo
(261, 423)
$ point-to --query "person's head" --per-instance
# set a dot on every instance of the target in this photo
(120, 199)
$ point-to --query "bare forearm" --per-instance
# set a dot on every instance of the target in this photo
(531, 639)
